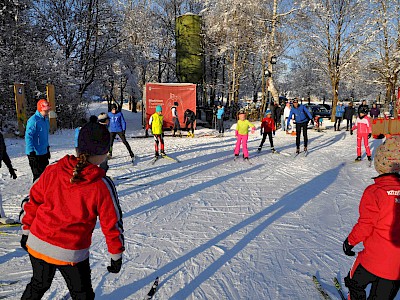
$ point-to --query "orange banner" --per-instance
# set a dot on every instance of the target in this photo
(165, 94)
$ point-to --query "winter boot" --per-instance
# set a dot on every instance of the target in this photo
(369, 158)
(358, 158)
(297, 150)
(156, 154)
(305, 149)
(259, 149)
(273, 150)
(162, 153)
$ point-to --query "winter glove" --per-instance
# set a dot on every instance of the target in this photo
(48, 152)
(253, 130)
(347, 248)
(351, 131)
(115, 266)
(24, 239)
(369, 135)
(261, 133)
(12, 173)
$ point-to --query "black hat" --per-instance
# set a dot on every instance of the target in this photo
(94, 139)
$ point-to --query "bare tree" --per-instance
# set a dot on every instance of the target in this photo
(334, 33)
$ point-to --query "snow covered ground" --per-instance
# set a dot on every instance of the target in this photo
(209, 227)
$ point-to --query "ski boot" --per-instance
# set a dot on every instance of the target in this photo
(297, 150)
(163, 153)
(305, 149)
(156, 154)
(369, 158)
(189, 134)
(358, 158)
(259, 149)
(273, 150)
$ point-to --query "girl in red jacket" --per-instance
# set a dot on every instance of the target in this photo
(61, 212)
(364, 130)
(267, 128)
(378, 228)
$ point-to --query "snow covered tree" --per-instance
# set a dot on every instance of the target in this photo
(335, 33)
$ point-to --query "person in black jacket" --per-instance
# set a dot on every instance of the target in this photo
(349, 112)
(189, 118)
(363, 105)
(6, 159)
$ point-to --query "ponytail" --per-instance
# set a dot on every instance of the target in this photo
(82, 163)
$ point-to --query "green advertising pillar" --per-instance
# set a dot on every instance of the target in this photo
(189, 49)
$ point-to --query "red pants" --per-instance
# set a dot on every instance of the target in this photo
(363, 136)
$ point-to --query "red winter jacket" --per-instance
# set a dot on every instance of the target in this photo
(60, 216)
(378, 227)
(267, 125)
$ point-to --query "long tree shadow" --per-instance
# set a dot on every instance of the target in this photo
(185, 192)
(290, 202)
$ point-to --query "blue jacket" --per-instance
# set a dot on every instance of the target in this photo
(37, 134)
(339, 111)
(117, 122)
(301, 114)
(77, 130)
(220, 113)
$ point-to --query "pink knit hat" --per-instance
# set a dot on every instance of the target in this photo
(387, 156)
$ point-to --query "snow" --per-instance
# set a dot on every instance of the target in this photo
(209, 227)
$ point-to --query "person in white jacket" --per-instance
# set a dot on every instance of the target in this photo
(286, 113)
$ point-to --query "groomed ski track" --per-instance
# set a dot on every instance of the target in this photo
(209, 227)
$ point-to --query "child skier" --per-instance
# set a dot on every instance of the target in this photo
(58, 219)
(378, 229)
(364, 131)
(267, 128)
(242, 135)
(156, 123)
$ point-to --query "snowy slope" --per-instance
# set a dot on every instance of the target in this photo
(209, 227)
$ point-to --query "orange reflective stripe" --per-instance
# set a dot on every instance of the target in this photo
(49, 259)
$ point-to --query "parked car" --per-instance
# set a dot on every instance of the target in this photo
(318, 110)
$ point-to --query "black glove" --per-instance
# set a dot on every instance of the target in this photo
(12, 173)
(24, 239)
(48, 152)
(115, 266)
(347, 248)
(369, 135)
(33, 153)
(351, 131)
(261, 133)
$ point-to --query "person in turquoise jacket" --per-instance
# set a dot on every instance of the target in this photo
(37, 139)
(339, 116)
(220, 119)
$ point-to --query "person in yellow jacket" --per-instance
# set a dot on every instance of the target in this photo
(242, 134)
(156, 123)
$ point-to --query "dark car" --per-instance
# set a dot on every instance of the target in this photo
(318, 110)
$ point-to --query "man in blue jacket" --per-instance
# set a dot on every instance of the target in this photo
(116, 126)
(37, 139)
(339, 116)
(301, 116)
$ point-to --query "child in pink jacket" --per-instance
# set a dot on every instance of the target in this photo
(364, 131)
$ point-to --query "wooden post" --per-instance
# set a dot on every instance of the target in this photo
(20, 104)
(51, 98)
